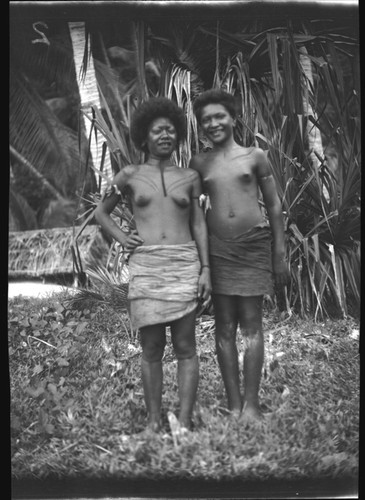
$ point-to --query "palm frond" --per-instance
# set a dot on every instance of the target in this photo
(139, 50)
(178, 88)
(32, 124)
(115, 291)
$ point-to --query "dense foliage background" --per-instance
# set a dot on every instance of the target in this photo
(296, 80)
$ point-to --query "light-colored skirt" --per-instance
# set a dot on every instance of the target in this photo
(163, 283)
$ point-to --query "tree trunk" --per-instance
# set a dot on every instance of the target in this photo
(89, 95)
(314, 135)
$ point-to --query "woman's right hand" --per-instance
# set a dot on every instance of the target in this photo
(133, 240)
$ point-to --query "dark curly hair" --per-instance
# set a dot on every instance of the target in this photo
(215, 96)
(156, 107)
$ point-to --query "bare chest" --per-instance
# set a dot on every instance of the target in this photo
(238, 171)
(155, 188)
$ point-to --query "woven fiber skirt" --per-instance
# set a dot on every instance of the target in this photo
(163, 283)
(242, 265)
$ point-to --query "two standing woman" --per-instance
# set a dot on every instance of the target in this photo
(169, 264)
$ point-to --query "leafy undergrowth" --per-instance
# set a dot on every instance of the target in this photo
(77, 402)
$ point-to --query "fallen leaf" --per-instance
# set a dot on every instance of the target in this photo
(355, 334)
(35, 392)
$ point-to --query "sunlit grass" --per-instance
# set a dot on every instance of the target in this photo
(77, 401)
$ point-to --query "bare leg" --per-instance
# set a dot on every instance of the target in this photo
(250, 310)
(183, 339)
(153, 340)
(226, 320)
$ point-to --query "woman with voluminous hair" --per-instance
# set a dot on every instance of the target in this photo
(168, 264)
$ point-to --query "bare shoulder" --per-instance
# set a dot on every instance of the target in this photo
(262, 164)
(199, 161)
(125, 174)
(130, 170)
(260, 155)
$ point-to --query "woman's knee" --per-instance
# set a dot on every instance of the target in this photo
(183, 337)
(250, 312)
(225, 331)
(252, 332)
(252, 326)
(184, 348)
(152, 351)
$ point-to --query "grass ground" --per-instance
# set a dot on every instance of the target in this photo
(77, 403)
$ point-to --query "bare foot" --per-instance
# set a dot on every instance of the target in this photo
(184, 430)
(146, 433)
(234, 414)
(185, 426)
(153, 426)
(251, 413)
(184, 423)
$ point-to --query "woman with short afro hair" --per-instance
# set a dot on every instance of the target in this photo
(147, 112)
(168, 263)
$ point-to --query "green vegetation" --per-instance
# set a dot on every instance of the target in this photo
(297, 87)
(298, 99)
(77, 403)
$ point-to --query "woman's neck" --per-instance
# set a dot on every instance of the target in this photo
(159, 162)
(226, 146)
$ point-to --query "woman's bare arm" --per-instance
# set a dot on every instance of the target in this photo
(200, 235)
(106, 206)
(275, 214)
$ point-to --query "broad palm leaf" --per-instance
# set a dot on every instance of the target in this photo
(313, 197)
(36, 133)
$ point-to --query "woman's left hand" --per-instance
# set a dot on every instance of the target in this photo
(204, 287)
(281, 270)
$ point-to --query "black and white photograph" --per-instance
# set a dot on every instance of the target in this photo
(184, 249)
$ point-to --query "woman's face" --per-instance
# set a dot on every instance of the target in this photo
(161, 138)
(217, 123)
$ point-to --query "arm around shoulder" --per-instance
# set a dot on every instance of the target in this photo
(196, 162)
